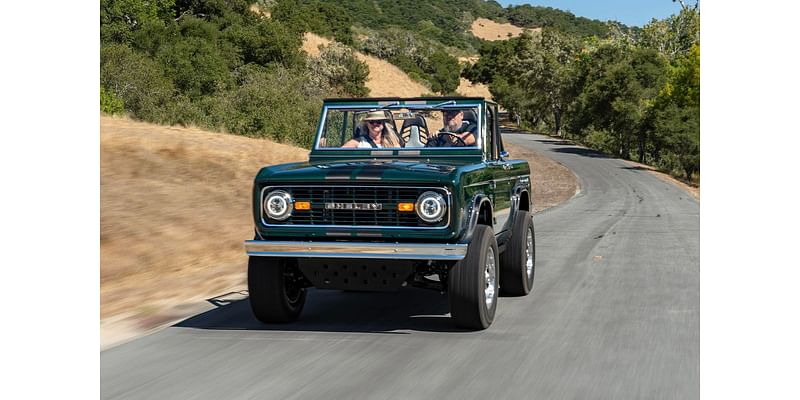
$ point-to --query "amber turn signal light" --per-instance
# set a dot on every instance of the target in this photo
(405, 206)
(302, 205)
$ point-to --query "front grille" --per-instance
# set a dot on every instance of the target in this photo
(387, 196)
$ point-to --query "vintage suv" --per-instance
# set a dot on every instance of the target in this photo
(396, 192)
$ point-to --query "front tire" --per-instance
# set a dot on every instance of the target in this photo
(518, 262)
(275, 296)
(472, 282)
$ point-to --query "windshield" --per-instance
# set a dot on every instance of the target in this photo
(370, 128)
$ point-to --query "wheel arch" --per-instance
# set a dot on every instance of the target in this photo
(479, 212)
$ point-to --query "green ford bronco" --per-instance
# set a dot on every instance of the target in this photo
(396, 192)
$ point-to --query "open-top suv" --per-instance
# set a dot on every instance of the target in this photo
(396, 192)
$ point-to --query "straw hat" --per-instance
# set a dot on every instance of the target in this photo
(376, 115)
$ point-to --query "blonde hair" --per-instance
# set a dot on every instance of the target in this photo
(389, 136)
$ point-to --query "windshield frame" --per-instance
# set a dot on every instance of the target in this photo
(435, 104)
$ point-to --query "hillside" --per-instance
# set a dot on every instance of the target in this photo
(384, 78)
(487, 29)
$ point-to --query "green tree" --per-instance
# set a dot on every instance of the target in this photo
(545, 70)
(323, 18)
(618, 95)
(529, 16)
(196, 65)
(679, 129)
(675, 35)
(266, 41)
(677, 115)
(120, 19)
(494, 59)
(445, 72)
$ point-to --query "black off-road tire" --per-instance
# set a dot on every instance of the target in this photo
(515, 279)
(467, 282)
(274, 296)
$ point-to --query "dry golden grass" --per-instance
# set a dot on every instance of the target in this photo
(487, 29)
(384, 78)
(174, 210)
(553, 183)
(312, 42)
(467, 88)
(258, 10)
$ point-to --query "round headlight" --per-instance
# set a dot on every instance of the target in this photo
(431, 206)
(278, 205)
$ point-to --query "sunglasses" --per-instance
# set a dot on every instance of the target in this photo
(375, 122)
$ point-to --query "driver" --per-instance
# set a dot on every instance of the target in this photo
(454, 123)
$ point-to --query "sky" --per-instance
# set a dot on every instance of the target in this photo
(629, 12)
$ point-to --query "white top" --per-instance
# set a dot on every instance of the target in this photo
(364, 144)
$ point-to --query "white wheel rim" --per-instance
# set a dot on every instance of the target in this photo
(490, 278)
(529, 254)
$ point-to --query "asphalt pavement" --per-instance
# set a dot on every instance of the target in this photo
(614, 314)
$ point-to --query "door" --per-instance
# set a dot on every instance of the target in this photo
(502, 180)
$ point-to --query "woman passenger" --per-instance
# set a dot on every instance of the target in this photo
(379, 133)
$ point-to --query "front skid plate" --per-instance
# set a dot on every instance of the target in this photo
(371, 275)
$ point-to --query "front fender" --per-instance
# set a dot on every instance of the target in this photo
(520, 187)
(473, 215)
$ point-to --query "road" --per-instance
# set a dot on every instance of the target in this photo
(614, 313)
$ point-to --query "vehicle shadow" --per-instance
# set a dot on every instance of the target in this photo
(638, 168)
(581, 152)
(339, 311)
(556, 142)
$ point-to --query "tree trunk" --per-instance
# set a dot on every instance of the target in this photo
(642, 139)
(657, 154)
(557, 115)
(627, 149)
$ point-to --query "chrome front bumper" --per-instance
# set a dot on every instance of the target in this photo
(395, 251)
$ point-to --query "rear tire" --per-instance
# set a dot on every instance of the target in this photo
(517, 265)
(472, 282)
(275, 296)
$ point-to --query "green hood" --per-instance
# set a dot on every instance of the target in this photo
(367, 172)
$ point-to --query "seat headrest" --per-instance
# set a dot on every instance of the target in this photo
(469, 115)
(416, 121)
(359, 131)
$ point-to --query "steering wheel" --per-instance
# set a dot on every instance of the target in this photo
(458, 143)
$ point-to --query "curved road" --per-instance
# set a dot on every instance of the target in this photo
(615, 313)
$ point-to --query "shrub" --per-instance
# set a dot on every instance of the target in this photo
(110, 104)
(445, 72)
(196, 65)
(338, 71)
(268, 103)
(266, 42)
(137, 80)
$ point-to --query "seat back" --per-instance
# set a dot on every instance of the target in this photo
(414, 128)
(359, 131)
(413, 139)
